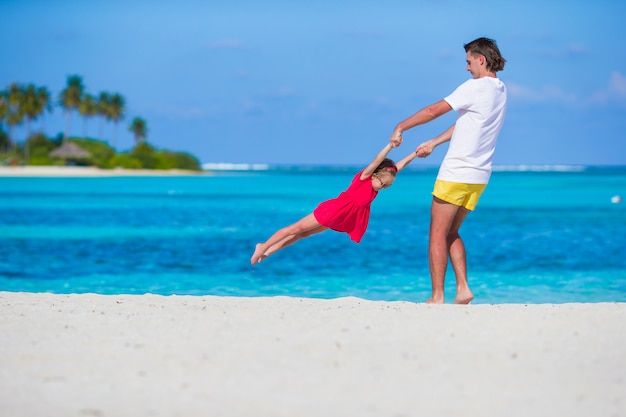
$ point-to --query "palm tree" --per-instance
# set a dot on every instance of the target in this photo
(87, 108)
(30, 106)
(70, 99)
(104, 100)
(31, 110)
(15, 113)
(4, 106)
(4, 113)
(116, 112)
(43, 103)
(34, 102)
(139, 129)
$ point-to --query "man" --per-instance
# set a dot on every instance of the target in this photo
(466, 168)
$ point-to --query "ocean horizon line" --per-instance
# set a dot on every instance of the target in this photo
(228, 166)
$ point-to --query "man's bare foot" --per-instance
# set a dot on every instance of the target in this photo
(464, 297)
(433, 300)
(257, 256)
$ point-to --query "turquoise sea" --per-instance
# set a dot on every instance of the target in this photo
(540, 235)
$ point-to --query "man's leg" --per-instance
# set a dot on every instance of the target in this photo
(442, 216)
(456, 249)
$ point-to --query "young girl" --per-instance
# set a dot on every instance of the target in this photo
(348, 213)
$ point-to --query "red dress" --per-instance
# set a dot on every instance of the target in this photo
(350, 211)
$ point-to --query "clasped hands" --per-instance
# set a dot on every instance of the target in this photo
(422, 151)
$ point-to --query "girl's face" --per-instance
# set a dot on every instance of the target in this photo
(382, 180)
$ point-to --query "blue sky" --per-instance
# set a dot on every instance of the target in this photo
(325, 82)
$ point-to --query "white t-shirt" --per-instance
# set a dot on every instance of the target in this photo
(481, 104)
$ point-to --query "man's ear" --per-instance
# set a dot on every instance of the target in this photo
(482, 60)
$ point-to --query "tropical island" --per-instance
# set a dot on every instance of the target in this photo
(25, 104)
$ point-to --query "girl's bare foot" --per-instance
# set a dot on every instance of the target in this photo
(257, 256)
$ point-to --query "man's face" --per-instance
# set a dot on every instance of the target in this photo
(474, 64)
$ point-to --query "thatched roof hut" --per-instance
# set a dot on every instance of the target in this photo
(69, 150)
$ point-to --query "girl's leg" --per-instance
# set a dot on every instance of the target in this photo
(290, 240)
(304, 225)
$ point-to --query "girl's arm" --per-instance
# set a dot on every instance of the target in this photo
(406, 160)
(367, 172)
(427, 147)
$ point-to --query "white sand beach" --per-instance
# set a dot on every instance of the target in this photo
(76, 171)
(149, 355)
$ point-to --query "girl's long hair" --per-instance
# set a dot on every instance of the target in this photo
(387, 165)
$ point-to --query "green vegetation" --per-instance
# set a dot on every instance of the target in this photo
(21, 104)
(141, 156)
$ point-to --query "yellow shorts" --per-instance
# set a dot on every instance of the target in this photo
(459, 194)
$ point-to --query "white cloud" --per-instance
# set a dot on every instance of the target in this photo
(614, 91)
(241, 74)
(577, 49)
(252, 107)
(543, 94)
(447, 53)
(617, 85)
(525, 93)
(227, 44)
(185, 112)
(281, 92)
(561, 52)
(365, 33)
